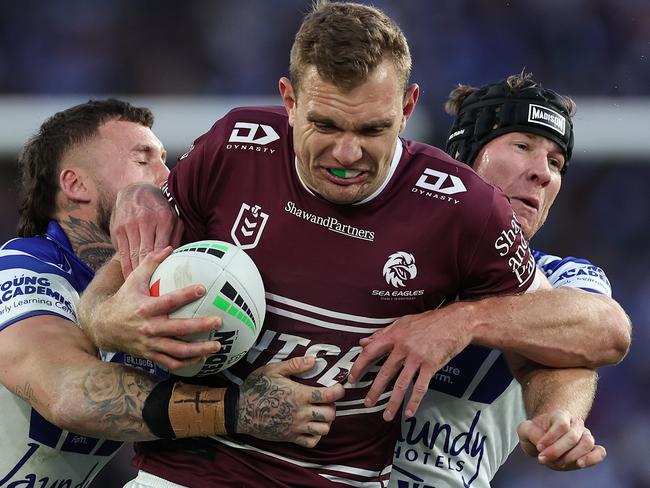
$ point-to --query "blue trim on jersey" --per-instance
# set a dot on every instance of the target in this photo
(37, 265)
(468, 362)
(494, 383)
(499, 377)
(591, 290)
(539, 255)
(54, 248)
(42, 431)
(79, 443)
(31, 314)
(80, 270)
(579, 269)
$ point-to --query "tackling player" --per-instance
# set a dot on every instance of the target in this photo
(519, 136)
(63, 409)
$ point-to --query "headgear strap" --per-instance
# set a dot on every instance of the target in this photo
(496, 109)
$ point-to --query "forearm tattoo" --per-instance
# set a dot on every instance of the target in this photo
(89, 241)
(115, 396)
(265, 408)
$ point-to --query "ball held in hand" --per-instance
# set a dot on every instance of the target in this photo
(234, 291)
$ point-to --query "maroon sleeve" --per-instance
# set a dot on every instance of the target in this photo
(501, 262)
(192, 180)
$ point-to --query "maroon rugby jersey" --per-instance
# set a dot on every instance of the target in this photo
(333, 274)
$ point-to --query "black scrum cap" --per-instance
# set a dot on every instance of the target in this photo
(495, 110)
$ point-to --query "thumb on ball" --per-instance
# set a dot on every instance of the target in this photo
(149, 264)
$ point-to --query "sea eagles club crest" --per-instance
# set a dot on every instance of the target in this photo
(399, 268)
(249, 225)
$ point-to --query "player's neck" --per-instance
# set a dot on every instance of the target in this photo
(89, 242)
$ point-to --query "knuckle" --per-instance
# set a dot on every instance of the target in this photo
(147, 330)
(563, 428)
(575, 435)
(384, 373)
(295, 362)
(420, 389)
(401, 385)
(141, 310)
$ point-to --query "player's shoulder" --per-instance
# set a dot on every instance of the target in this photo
(35, 256)
(421, 156)
(38, 254)
(264, 113)
(573, 272)
(253, 125)
(436, 176)
(245, 130)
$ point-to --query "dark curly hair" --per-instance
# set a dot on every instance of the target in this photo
(40, 158)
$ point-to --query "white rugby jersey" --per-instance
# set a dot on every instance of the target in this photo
(42, 276)
(466, 426)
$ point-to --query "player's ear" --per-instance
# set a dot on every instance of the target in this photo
(288, 97)
(75, 184)
(408, 103)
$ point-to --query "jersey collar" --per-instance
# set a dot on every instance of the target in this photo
(56, 233)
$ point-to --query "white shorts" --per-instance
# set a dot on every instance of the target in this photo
(146, 480)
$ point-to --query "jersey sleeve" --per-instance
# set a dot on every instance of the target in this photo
(30, 286)
(573, 272)
(501, 260)
(192, 180)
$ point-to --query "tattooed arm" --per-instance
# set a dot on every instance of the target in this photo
(50, 363)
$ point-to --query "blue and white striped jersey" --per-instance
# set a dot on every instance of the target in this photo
(465, 428)
(41, 275)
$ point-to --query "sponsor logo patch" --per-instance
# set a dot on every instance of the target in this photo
(547, 117)
(330, 223)
(513, 246)
(439, 185)
(247, 133)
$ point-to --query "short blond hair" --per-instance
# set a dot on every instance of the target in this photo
(345, 42)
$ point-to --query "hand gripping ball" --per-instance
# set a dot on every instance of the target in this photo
(234, 291)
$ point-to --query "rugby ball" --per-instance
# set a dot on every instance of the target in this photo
(234, 291)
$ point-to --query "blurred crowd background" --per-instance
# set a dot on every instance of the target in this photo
(589, 49)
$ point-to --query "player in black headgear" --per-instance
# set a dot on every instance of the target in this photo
(517, 135)
(515, 104)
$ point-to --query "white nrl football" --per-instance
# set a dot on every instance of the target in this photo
(234, 291)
